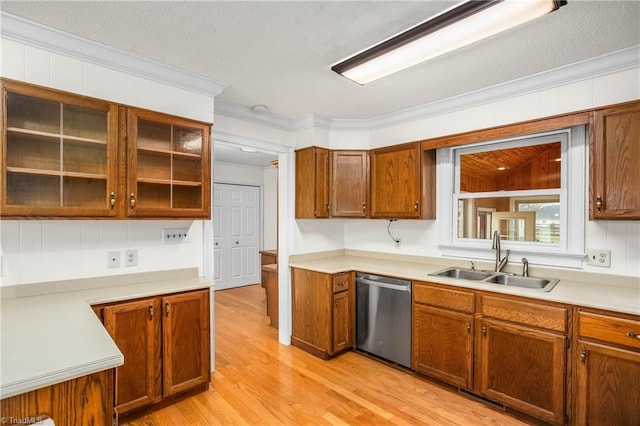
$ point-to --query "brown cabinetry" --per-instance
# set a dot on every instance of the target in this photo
(322, 312)
(402, 182)
(521, 356)
(87, 400)
(443, 333)
(165, 343)
(66, 155)
(58, 153)
(607, 366)
(167, 165)
(312, 183)
(349, 183)
(613, 163)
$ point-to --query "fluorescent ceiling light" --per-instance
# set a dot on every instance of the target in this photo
(455, 28)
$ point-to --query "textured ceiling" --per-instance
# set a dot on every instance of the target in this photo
(279, 53)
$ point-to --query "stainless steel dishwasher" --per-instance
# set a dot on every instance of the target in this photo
(383, 317)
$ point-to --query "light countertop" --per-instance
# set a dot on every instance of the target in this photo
(611, 292)
(50, 334)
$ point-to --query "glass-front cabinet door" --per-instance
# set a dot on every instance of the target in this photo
(59, 153)
(168, 171)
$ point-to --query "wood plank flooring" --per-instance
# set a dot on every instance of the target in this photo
(261, 382)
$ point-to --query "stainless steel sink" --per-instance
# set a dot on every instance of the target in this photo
(499, 278)
(544, 284)
(462, 273)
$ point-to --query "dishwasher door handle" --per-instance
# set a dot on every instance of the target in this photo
(397, 287)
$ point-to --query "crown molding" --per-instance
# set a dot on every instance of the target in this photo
(37, 35)
(617, 61)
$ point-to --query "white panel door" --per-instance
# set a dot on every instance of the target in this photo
(239, 235)
(219, 267)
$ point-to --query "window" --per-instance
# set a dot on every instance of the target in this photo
(524, 188)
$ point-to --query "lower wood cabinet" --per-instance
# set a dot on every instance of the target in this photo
(522, 356)
(165, 343)
(323, 312)
(87, 400)
(607, 368)
(443, 334)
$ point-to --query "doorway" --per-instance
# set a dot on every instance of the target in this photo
(236, 235)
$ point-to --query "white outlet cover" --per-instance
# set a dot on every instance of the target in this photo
(131, 258)
(599, 257)
(113, 259)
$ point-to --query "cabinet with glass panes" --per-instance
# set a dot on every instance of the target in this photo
(59, 153)
(168, 170)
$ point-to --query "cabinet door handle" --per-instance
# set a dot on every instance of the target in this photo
(469, 326)
(150, 312)
(484, 330)
(415, 206)
(583, 355)
(167, 308)
(112, 199)
(633, 335)
(132, 201)
(599, 203)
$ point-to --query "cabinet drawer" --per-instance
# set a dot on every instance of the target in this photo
(609, 329)
(527, 313)
(462, 301)
(340, 282)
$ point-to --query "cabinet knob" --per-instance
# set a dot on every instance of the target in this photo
(484, 330)
(469, 325)
(633, 335)
(112, 199)
(599, 203)
(364, 206)
(132, 200)
(415, 206)
(583, 355)
(167, 308)
(150, 312)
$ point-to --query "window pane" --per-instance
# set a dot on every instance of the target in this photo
(523, 168)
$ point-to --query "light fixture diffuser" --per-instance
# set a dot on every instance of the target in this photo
(455, 28)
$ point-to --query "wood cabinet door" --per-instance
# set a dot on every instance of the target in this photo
(349, 183)
(396, 190)
(608, 385)
(613, 163)
(135, 328)
(59, 153)
(311, 299)
(342, 334)
(168, 165)
(185, 341)
(523, 368)
(443, 344)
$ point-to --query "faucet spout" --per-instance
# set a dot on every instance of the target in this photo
(500, 263)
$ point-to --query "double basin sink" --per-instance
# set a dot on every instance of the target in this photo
(500, 278)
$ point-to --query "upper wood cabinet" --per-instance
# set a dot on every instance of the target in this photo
(349, 183)
(402, 182)
(168, 169)
(58, 153)
(613, 163)
(70, 156)
(312, 183)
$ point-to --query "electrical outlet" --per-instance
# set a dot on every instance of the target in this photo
(398, 241)
(113, 260)
(132, 258)
(175, 235)
(599, 257)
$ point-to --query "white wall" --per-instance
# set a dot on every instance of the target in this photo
(34, 250)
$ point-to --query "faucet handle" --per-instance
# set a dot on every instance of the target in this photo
(525, 267)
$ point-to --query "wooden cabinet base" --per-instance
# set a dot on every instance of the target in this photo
(87, 400)
(165, 402)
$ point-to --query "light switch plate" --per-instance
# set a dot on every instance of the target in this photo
(175, 235)
(113, 259)
(599, 257)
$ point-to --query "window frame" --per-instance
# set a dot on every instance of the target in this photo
(570, 251)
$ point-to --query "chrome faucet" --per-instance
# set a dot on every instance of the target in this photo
(525, 267)
(500, 263)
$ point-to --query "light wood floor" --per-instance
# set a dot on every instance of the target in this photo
(261, 382)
